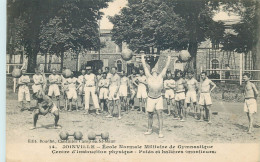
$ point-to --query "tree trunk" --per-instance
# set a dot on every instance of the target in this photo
(32, 60)
(49, 62)
(191, 65)
(61, 62)
(257, 54)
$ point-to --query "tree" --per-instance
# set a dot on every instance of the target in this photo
(246, 37)
(149, 25)
(77, 26)
(167, 24)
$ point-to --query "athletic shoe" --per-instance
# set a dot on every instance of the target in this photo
(161, 135)
(148, 132)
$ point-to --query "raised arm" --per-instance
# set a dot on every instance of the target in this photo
(166, 67)
(147, 72)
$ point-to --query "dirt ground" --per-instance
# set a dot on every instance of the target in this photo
(229, 125)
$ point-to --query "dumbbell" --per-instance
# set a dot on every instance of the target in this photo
(92, 135)
(65, 135)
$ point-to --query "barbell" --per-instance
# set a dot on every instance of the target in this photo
(65, 135)
(92, 135)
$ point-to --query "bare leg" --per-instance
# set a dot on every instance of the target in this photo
(201, 113)
(35, 118)
(160, 121)
(250, 119)
(209, 114)
(110, 109)
(119, 108)
(58, 102)
(70, 102)
(77, 106)
(195, 109)
(145, 103)
(140, 105)
(150, 124)
(56, 119)
(168, 106)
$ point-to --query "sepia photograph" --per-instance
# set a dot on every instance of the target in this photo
(132, 80)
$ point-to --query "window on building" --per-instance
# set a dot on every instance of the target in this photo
(215, 64)
(119, 65)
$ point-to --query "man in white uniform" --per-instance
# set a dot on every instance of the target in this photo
(169, 85)
(141, 83)
(191, 95)
(155, 100)
(103, 90)
(123, 91)
(113, 97)
(133, 88)
(81, 86)
(38, 83)
(23, 91)
(72, 93)
(90, 82)
(205, 99)
(54, 80)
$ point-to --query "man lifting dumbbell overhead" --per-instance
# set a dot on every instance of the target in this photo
(44, 106)
(155, 100)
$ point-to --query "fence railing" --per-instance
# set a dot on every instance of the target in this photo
(239, 74)
(10, 67)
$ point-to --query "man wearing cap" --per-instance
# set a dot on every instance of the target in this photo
(90, 82)
(155, 100)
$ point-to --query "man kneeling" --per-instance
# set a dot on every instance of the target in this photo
(44, 106)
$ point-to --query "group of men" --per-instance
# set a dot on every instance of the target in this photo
(109, 89)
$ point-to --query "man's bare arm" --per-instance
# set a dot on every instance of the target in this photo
(214, 86)
(255, 90)
(147, 73)
(166, 67)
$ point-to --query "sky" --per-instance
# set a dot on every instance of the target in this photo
(115, 7)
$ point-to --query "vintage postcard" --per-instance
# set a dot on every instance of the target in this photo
(132, 80)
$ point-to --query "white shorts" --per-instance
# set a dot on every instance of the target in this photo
(54, 88)
(205, 99)
(179, 96)
(112, 91)
(191, 96)
(72, 94)
(123, 91)
(156, 104)
(36, 88)
(250, 105)
(103, 93)
(141, 92)
(169, 94)
(23, 92)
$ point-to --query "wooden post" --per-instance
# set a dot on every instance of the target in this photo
(14, 84)
(240, 68)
